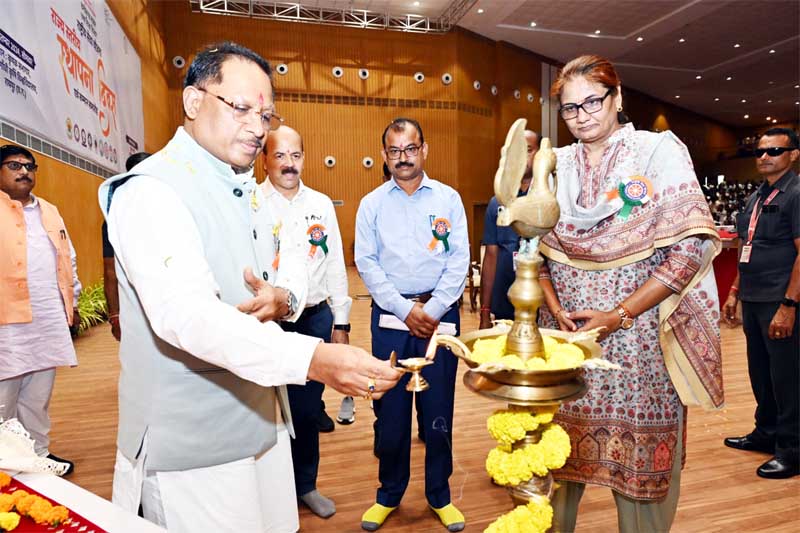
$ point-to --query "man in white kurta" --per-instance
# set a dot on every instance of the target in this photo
(201, 444)
(308, 227)
(34, 322)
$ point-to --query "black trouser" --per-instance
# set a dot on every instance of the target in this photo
(774, 366)
(305, 402)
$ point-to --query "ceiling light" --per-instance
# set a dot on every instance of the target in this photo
(769, 101)
(677, 96)
(737, 45)
(416, 4)
(744, 101)
(640, 39)
(480, 11)
(774, 120)
(797, 103)
(681, 40)
(729, 78)
(769, 118)
(716, 99)
(698, 77)
(747, 116)
(772, 51)
(797, 86)
(772, 83)
(597, 32)
(533, 24)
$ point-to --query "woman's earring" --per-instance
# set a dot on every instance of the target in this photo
(619, 109)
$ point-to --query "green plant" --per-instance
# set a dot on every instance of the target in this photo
(92, 306)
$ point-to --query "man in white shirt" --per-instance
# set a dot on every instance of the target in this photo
(201, 443)
(308, 227)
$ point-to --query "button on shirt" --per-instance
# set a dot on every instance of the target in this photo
(308, 216)
(44, 342)
(766, 276)
(397, 253)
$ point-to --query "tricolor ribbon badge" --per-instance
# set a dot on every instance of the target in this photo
(276, 245)
(317, 237)
(633, 191)
(440, 227)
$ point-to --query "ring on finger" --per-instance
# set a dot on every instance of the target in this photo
(370, 388)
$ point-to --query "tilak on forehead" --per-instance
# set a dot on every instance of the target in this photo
(260, 99)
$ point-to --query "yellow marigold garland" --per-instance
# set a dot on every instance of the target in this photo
(507, 426)
(5, 480)
(558, 354)
(37, 508)
(514, 467)
(534, 517)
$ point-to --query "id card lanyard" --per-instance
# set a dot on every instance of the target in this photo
(747, 249)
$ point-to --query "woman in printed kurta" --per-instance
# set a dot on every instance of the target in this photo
(631, 253)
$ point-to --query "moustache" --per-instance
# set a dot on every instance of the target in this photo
(25, 178)
(289, 171)
(402, 165)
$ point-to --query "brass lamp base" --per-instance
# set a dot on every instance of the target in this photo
(413, 366)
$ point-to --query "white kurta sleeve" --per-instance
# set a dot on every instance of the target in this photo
(160, 251)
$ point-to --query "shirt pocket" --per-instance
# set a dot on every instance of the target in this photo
(770, 227)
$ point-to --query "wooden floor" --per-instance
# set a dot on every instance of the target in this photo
(720, 491)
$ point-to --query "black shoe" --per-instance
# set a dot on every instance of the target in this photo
(60, 460)
(777, 468)
(324, 423)
(747, 444)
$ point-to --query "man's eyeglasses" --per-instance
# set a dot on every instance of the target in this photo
(16, 165)
(241, 113)
(774, 151)
(394, 153)
(590, 106)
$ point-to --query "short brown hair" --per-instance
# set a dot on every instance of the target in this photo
(595, 69)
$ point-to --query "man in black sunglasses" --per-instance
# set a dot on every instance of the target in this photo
(768, 286)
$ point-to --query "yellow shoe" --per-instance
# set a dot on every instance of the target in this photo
(451, 517)
(375, 517)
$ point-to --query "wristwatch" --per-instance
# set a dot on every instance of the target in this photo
(342, 327)
(625, 320)
(291, 303)
(788, 302)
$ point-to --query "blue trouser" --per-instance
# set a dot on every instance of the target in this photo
(394, 416)
(304, 401)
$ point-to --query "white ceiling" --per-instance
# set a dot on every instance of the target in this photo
(658, 65)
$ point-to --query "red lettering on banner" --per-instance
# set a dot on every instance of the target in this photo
(71, 62)
(65, 30)
(108, 102)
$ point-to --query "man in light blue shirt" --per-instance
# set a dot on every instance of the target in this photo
(412, 252)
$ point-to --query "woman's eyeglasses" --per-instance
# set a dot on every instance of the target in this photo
(590, 106)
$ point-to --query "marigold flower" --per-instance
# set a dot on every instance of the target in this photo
(5, 480)
(8, 521)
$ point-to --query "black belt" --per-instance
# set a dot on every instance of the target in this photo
(314, 309)
(421, 298)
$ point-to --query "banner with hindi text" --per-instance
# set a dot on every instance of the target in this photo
(71, 76)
